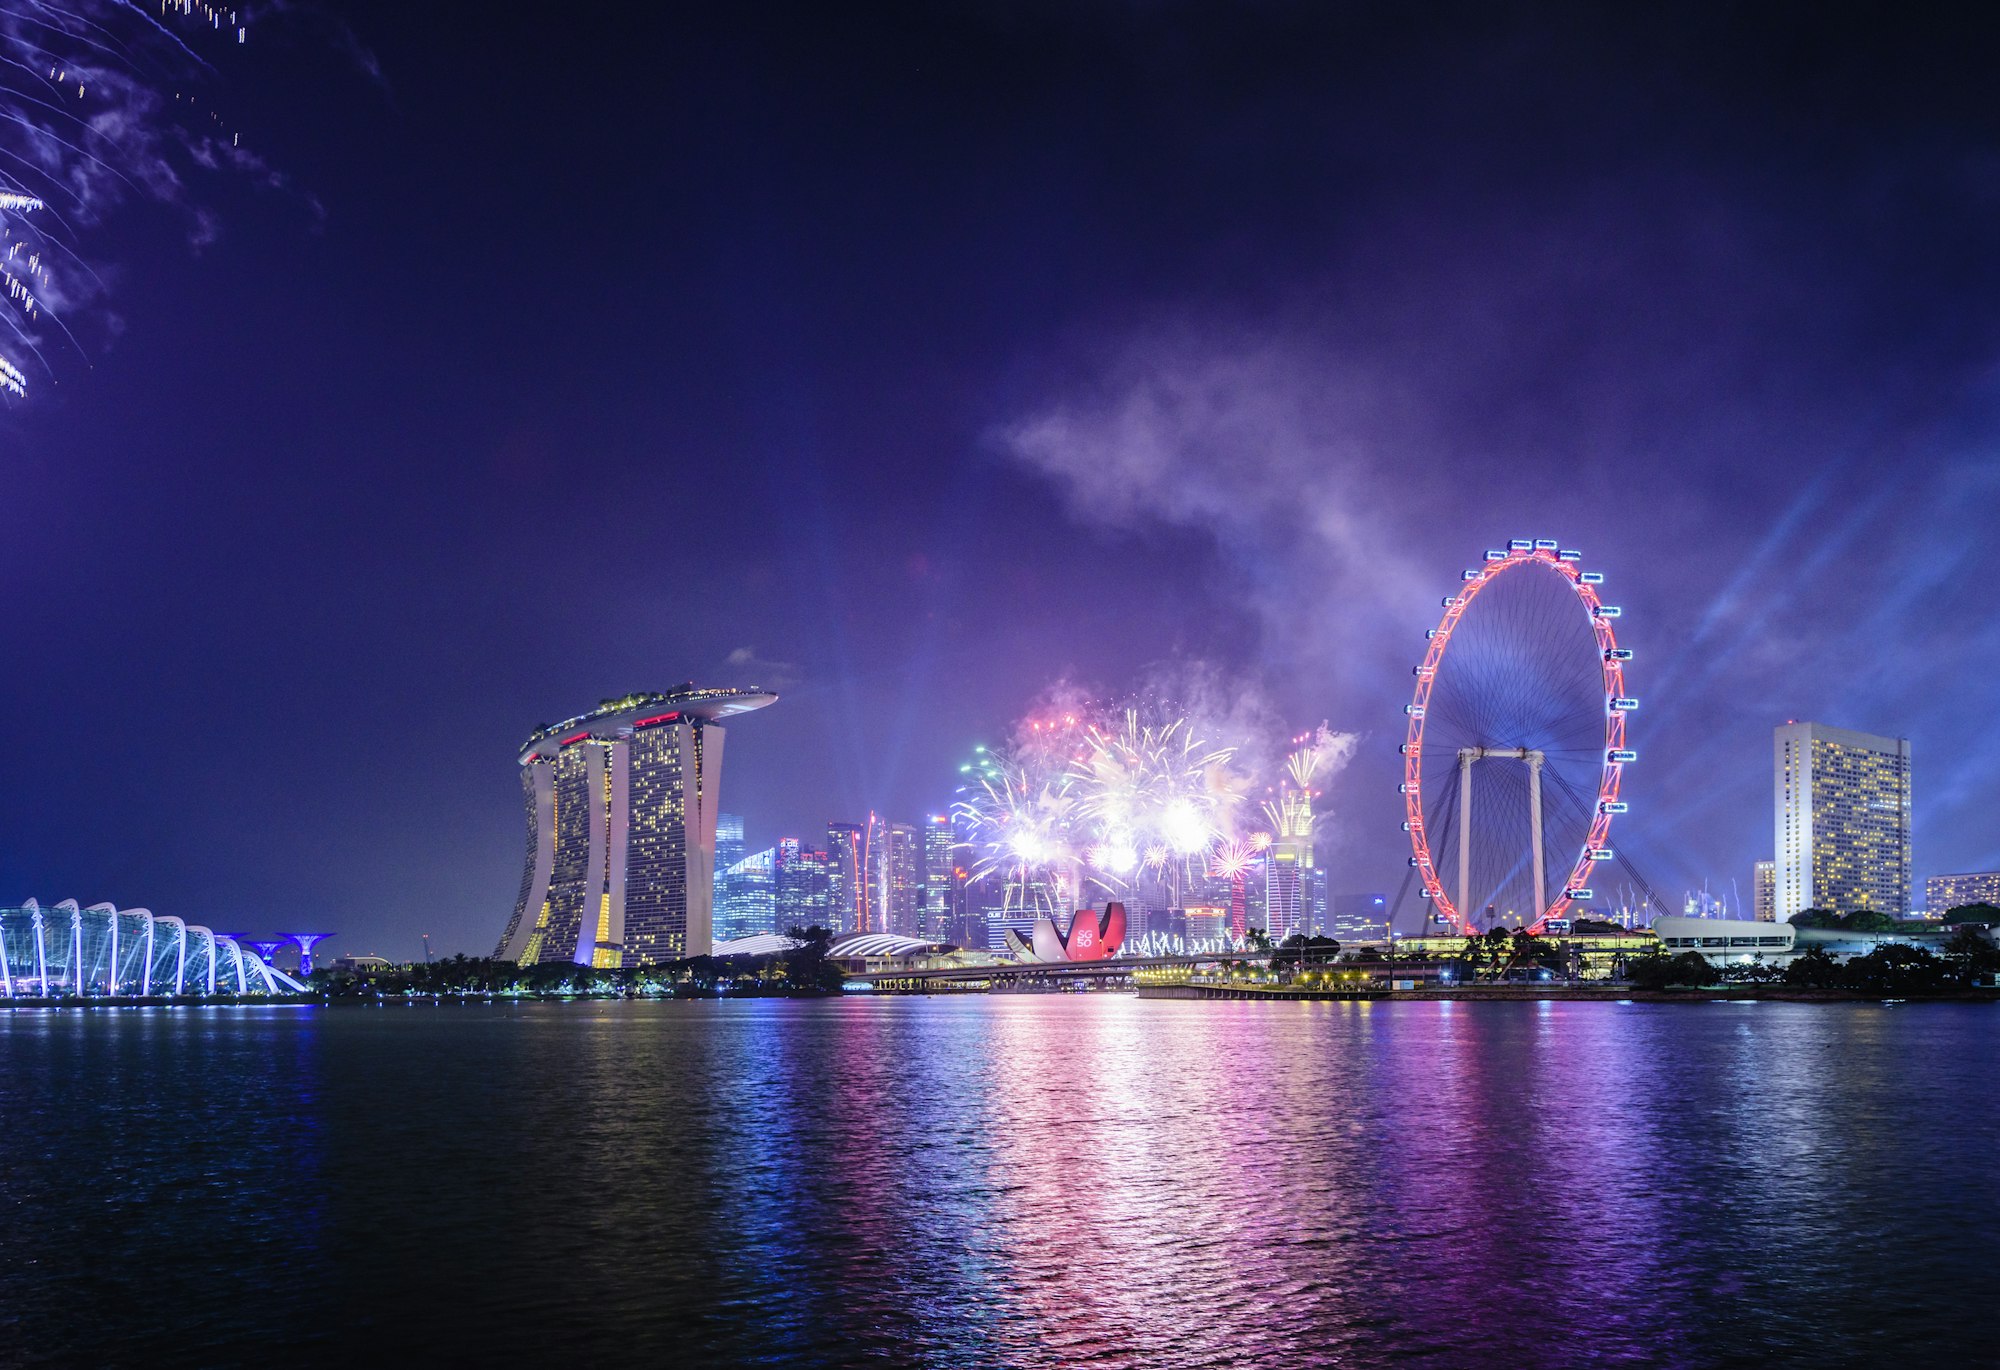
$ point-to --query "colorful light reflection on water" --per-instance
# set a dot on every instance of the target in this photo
(1008, 1180)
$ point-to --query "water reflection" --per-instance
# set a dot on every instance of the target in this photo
(1009, 1180)
(161, 1168)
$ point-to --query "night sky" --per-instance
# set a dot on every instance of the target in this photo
(909, 363)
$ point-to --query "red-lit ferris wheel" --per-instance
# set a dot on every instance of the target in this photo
(1516, 743)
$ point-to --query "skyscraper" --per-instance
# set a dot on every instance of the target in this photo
(875, 883)
(903, 881)
(1842, 819)
(621, 810)
(1253, 888)
(1284, 889)
(939, 849)
(802, 886)
(1288, 864)
(1764, 889)
(728, 851)
(846, 877)
(748, 904)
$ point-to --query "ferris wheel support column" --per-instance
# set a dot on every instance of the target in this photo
(1465, 758)
(1535, 836)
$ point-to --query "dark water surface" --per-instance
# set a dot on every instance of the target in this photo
(1016, 1180)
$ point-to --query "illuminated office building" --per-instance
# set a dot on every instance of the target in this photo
(1001, 919)
(847, 878)
(728, 851)
(1943, 893)
(748, 903)
(1764, 886)
(1360, 917)
(1288, 864)
(1206, 922)
(1255, 889)
(939, 851)
(902, 881)
(1319, 918)
(621, 809)
(1842, 819)
(802, 886)
(1285, 876)
(862, 873)
(875, 886)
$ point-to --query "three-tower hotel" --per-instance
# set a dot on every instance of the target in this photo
(621, 806)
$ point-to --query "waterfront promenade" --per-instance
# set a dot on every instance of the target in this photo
(1528, 993)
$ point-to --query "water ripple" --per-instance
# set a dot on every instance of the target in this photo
(1010, 1181)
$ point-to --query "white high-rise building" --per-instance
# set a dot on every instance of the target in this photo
(1842, 815)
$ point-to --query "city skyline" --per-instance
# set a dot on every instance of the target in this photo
(1054, 683)
(1830, 789)
(911, 409)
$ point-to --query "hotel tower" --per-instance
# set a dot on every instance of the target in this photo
(1842, 821)
(621, 805)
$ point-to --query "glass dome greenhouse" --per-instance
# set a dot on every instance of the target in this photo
(72, 952)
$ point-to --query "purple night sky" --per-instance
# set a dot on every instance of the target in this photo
(907, 363)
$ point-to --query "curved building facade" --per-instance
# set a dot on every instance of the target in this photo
(70, 951)
(1090, 936)
(621, 805)
(871, 944)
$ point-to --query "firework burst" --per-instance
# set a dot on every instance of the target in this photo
(1102, 798)
(97, 107)
(1158, 793)
(1020, 817)
(1137, 799)
(1321, 752)
(1232, 860)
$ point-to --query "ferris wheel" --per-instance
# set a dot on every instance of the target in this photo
(1516, 743)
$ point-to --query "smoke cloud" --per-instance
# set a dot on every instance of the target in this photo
(1774, 545)
(1258, 443)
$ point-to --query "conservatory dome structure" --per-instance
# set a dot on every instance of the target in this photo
(73, 952)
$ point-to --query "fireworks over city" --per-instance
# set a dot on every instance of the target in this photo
(1114, 797)
(1317, 753)
(99, 106)
(1156, 795)
(1020, 812)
